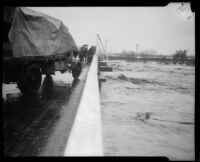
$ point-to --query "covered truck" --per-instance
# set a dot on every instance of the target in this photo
(36, 44)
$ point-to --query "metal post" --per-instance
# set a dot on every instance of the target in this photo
(137, 47)
(105, 44)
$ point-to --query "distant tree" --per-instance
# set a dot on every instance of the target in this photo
(180, 56)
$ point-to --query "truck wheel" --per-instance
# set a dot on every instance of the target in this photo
(21, 84)
(31, 81)
(77, 70)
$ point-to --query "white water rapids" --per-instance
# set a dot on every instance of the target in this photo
(148, 110)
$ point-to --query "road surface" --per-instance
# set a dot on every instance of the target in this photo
(39, 125)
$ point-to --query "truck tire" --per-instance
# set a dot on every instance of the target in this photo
(31, 81)
(77, 70)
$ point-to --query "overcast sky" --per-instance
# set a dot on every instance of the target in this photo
(159, 28)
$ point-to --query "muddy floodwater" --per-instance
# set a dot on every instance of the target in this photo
(148, 110)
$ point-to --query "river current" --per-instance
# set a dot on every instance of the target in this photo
(148, 110)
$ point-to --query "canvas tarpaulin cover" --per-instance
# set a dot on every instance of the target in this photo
(36, 34)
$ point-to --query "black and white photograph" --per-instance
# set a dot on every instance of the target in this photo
(99, 81)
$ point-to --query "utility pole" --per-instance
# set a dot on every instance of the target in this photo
(137, 47)
(105, 44)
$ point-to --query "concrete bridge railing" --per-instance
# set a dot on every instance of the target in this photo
(86, 135)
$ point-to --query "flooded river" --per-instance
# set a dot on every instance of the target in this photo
(148, 110)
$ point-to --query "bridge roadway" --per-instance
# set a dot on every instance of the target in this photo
(39, 125)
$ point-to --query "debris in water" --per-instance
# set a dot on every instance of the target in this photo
(143, 116)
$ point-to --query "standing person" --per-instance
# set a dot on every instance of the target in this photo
(83, 52)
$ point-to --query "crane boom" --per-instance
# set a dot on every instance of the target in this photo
(99, 38)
